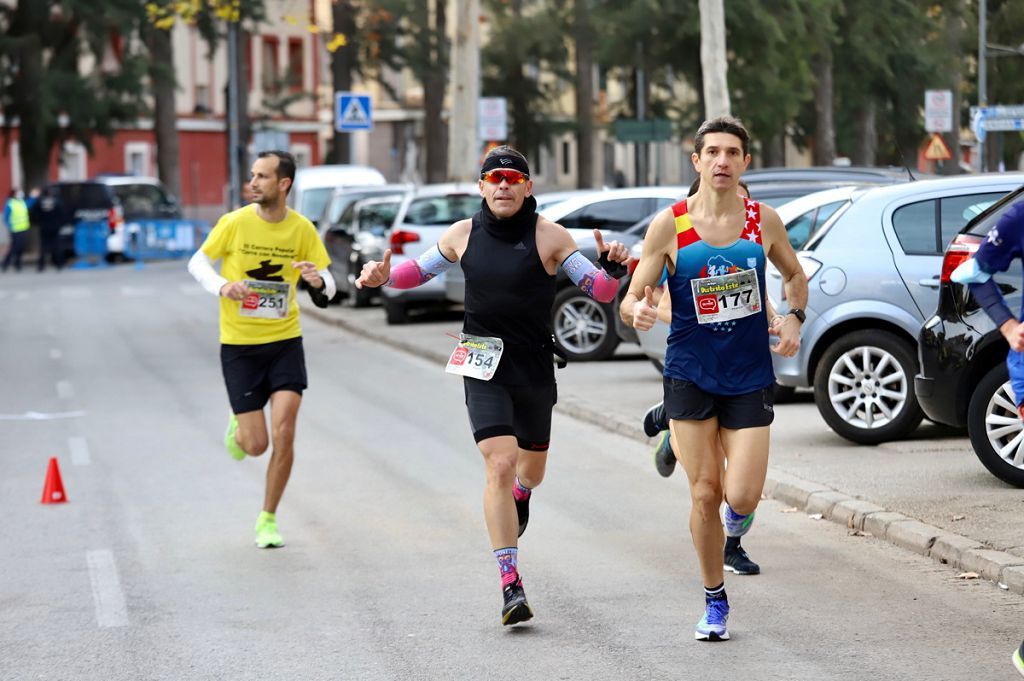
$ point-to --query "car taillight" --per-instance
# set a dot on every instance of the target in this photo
(959, 251)
(114, 218)
(399, 238)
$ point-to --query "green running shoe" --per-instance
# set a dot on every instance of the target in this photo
(1018, 659)
(234, 449)
(267, 536)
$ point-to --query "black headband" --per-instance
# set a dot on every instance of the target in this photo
(507, 162)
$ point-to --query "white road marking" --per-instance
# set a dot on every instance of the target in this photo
(75, 292)
(79, 451)
(106, 589)
(137, 291)
(55, 354)
(191, 289)
(65, 390)
(40, 416)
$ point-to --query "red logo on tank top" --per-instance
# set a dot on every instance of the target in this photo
(459, 356)
(707, 304)
(251, 302)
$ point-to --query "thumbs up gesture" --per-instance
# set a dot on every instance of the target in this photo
(375, 273)
(645, 312)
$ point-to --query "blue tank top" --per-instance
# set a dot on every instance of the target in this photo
(709, 343)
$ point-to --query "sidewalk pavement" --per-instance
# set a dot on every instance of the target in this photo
(578, 400)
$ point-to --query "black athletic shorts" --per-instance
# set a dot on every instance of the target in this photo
(684, 401)
(253, 372)
(520, 410)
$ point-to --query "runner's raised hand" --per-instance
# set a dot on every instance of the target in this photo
(375, 273)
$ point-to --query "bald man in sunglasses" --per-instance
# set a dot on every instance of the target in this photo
(510, 256)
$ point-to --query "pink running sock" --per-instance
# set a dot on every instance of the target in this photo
(519, 492)
(508, 565)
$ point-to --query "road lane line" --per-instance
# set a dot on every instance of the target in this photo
(65, 390)
(42, 416)
(55, 354)
(106, 589)
(75, 292)
(79, 451)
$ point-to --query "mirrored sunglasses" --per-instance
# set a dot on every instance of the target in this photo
(510, 176)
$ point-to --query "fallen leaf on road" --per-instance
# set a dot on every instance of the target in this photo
(958, 517)
(1004, 587)
(968, 575)
(815, 516)
(791, 509)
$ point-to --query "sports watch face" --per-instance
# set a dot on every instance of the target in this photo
(798, 313)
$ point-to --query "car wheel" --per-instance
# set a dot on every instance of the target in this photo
(864, 387)
(584, 328)
(395, 312)
(360, 297)
(995, 428)
(784, 393)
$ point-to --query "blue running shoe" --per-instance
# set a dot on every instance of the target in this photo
(664, 458)
(712, 625)
(737, 525)
(1018, 659)
(654, 420)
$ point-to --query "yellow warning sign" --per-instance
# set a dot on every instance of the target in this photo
(937, 149)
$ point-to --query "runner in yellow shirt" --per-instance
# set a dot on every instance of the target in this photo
(264, 247)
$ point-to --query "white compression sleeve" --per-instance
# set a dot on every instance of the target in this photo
(201, 267)
(330, 286)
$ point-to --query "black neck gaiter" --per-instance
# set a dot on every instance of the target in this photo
(511, 229)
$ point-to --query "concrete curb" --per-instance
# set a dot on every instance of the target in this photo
(857, 515)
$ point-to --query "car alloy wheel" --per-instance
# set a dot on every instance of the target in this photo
(864, 387)
(583, 327)
(995, 428)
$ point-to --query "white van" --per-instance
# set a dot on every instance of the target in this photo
(313, 185)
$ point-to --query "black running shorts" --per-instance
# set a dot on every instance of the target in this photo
(520, 410)
(253, 372)
(684, 401)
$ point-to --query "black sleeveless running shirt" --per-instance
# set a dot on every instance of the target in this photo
(509, 294)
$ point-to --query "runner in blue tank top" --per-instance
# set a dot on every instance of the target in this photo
(718, 370)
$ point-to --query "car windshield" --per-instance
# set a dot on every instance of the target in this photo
(313, 202)
(441, 210)
(140, 200)
(377, 218)
(989, 219)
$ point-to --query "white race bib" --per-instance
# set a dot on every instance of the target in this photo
(726, 297)
(476, 357)
(266, 299)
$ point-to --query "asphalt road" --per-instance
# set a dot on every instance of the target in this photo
(148, 572)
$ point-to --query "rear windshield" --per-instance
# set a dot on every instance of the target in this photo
(991, 217)
(313, 202)
(85, 196)
(141, 200)
(441, 210)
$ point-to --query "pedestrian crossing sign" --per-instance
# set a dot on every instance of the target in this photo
(352, 111)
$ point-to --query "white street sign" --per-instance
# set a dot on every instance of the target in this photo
(938, 110)
(492, 119)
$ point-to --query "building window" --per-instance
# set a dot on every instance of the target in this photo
(136, 158)
(269, 64)
(72, 162)
(202, 99)
(295, 65)
(303, 155)
(566, 167)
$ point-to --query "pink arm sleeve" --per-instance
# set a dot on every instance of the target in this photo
(592, 280)
(412, 273)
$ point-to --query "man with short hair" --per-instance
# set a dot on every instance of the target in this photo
(265, 248)
(510, 256)
(16, 218)
(718, 369)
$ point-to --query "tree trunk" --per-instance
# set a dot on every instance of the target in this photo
(343, 63)
(584, 96)
(824, 109)
(713, 58)
(463, 144)
(953, 36)
(864, 153)
(34, 140)
(774, 151)
(165, 118)
(435, 130)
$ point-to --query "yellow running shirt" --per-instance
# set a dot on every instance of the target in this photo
(254, 249)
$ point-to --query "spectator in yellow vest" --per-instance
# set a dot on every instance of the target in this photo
(17, 222)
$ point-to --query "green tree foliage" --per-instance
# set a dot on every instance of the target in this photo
(44, 88)
(1005, 73)
(527, 40)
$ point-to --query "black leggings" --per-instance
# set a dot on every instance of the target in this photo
(520, 410)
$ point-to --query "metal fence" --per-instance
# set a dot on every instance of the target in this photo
(140, 240)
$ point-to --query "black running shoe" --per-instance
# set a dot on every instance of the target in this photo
(737, 560)
(523, 511)
(664, 457)
(516, 609)
(655, 420)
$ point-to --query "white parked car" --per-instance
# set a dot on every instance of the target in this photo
(314, 185)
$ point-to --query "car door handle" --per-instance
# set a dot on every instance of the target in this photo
(934, 282)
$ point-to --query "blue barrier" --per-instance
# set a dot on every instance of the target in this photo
(142, 239)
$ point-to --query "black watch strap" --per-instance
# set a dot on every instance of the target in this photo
(798, 313)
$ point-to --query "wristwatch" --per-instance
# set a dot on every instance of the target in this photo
(798, 313)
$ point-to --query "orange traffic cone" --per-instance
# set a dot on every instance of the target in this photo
(53, 488)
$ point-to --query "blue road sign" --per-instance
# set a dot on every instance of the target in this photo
(352, 111)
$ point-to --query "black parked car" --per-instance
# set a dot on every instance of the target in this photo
(963, 379)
